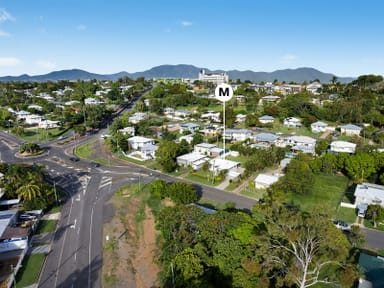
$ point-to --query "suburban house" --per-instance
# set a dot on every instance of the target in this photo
(266, 119)
(128, 131)
(371, 194)
(314, 87)
(204, 148)
(211, 116)
(319, 127)
(194, 159)
(188, 138)
(292, 122)
(11, 237)
(263, 181)
(169, 111)
(266, 139)
(137, 117)
(269, 99)
(33, 119)
(92, 101)
(211, 131)
(35, 107)
(217, 165)
(238, 134)
(303, 144)
(240, 118)
(343, 146)
(138, 142)
(48, 124)
(182, 113)
(189, 127)
(147, 151)
(350, 130)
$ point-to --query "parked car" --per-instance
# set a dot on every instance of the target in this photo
(342, 225)
(94, 164)
(74, 159)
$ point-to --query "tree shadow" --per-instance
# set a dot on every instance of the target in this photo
(81, 277)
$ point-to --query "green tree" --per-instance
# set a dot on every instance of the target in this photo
(299, 177)
(182, 193)
(375, 213)
(304, 249)
(360, 166)
(166, 155)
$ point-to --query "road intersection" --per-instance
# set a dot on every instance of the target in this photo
(75, 259)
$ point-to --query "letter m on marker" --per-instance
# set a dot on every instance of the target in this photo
(223, 92)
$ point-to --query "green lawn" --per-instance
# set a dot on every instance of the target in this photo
(253, 192)
(30, 270)
(46, 226)
(326, 195)
(346, 214)
(85, 151)
(40, 135)
(55, 209)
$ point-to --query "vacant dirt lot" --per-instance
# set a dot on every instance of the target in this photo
(129, 251)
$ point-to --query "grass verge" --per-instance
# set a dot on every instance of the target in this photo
(30, 270)
(46, 226)
(85, 151)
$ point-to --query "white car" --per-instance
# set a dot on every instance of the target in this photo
(342, 225)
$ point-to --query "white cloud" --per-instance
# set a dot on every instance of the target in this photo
(49, 65)
(288, 59)
(9, 61)
(186, 23)
(5, 16)
(4, 33)
(81, 27)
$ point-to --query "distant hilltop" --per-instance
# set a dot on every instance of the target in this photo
(298, 75)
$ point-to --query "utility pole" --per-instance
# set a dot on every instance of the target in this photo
(54, 190)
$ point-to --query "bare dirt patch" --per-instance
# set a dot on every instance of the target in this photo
(128, 254)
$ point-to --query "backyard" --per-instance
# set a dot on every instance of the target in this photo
(326, 194)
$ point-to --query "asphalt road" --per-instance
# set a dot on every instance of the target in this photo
(75, 259)
(373, 239)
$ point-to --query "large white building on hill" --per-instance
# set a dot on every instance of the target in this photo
(217, 78)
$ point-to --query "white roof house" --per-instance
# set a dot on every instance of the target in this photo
(128, 131)
(292, 122)
(269, 98)
(240, 118)
(263, 181)
(218, 164)
(238, 134)
(314, 87)
(370, 194)
(137, 117)
(343, 146)
(48, 124)
(137, 142)
(194, 159)
(350, 130)
(212, 116)
(204, 148)
(318, 127)
(191, 127)
(304, 144)
(265, 119)
(92, 101)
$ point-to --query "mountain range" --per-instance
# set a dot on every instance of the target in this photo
(298, 75)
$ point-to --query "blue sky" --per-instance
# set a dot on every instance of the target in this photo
(335, 36)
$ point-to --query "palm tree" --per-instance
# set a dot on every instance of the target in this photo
(29, 191)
